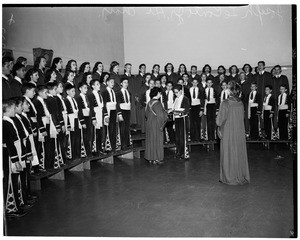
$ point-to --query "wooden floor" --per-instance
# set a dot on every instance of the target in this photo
(131, 198)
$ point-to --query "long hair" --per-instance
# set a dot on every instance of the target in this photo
(112, 66)
(82, 67)
(95, 68)
(54, 62)
(235, 89)
(37, 62)
(68, 66)
(185, 71)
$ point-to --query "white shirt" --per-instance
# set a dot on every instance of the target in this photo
(284, 95)
(177, 103)
(18, 79)
(44, 105)
(148, 95)
(211, 95)
(97, 96)
(125, 92)
(203, 84)
(266, 99)
(31, 104)
(111, 93)
(84, 100)
(170, 100)
(254, 94)
(6, 78)
(224, 92)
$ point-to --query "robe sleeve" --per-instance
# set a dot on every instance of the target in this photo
(223, 114)
(161, 114)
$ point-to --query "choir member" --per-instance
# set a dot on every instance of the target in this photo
(32, 76)
(74, 124)
(124, 101)
(113, 113)
(163, 81)
(262, 78)
(245, 88)
(11, 160)
(145, 98)
(234, 71)
(57, 65)
(194, 74)
(170, 96)
(221, 74)
(84, 111)
(284, 109)
(103, 79)
(186, 83)
(233, 152)
(163, 97)
(211, 109)
(139, 83)
(254, 111)
(156, 117)
(181, 70)
(16, 83)
(97, 70)
(84, 68)
(114, 74)
(97, 111)
(69, 78)
(224, 92)
(268, 111)
(50, 76)
(247, 69)
(207, 70)
(185, 88)
(40, 64)
(181, 111)
(7, 63)
(22, 60)
(171, 76)
(71, 67)
(155, 72)
(196, 112)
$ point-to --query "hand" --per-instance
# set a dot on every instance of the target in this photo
(287, 115)
(201, 114)
(35, 134)
(84, 126)
(217, 113)
(94, 123)
(106, 120)
(271, 115)
(58, 130)
(63, 128)
(18, 166)
(44, 134)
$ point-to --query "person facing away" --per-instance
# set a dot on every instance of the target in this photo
(234, 168)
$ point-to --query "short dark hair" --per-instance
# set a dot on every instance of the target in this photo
(112, 65)
(142, 65)
(161, 76)
(185, 74)
(21, 59)
(27, 86)
(123, 79)
(67, 73)
(154, 91)
(51, 85)
(263, 62)
(17, 67)
(193, 66)
(6, 59)
(41, 88)
(6, 104)
(93, 81)
(283, 85)
(223, 82)
(68, 86)
(254, 83)
(177, 87)
(277, 66)
(269, 86)
(169, 82)
(30, 72)
(18, 100)
(82, 83)
(148, 74)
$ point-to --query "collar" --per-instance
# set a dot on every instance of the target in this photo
(100, 73)
(18, 79)
(70, 82)
(5, 77)
(109, 88)
(278, 76)
(82, 95)
(50, 95)
(40, 99)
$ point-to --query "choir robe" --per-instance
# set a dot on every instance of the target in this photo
(197, 105)
(268, 108)
(209, 76)
(234, 168)
(284, 107)
(75, 136)
(131, 89)
(234, 78)
(181, 111)
(172, 77)
(6, 89)
(11, 146)
(254, 109)
(117, 78)
(155, 77)
(250, 77)
(41, 79)
(137, 91)
(144, 99)
(212, 103)
(125, 107)
(97, 111)
(78, 79)
(196, 76)
(155, 119)
(276, 82)
(113, 113)
(84, 111)
(97, 75)
(59, 77)
(262, 81)
(245, 90)
(16, 87)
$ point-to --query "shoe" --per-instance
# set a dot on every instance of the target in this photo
(16, 214)
(25, 206)
(30, 201)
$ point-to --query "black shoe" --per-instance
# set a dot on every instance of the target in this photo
(25, 206)
(16, 214)
(30, 201)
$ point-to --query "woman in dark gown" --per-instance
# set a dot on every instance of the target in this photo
(156, 116)
(234, 168)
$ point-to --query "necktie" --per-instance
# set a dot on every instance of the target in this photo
(194, 93)
(280, 99)
(112, 96)
(208, 97)
(168, 95)
(224, 95)
(265, 99)
(251, 96)
(126, 97)
(74, 103)
(87, 102)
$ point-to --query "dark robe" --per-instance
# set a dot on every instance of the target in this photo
(117, 78)
(155, 119)
(59, 77)
(41, 79)
(262, 81)
(6, 89)
(16, 88)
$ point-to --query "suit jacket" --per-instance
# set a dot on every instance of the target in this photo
(16, 88)
(185, 104)
(216, 97)
(287, 102)
(97, 76)
(106, 99)
(93, 103)
(40, 114)
(200, 96)
(272, 103)
(52, 105)
(70, 111)
(197, 76)
(173, 77)
(6, 89)
(276, 82)
(9, 137)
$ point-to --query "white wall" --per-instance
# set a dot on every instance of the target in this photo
(194, 35)
(78, 33)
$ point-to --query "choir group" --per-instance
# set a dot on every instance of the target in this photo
(50, 118)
